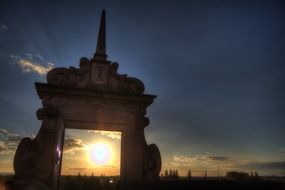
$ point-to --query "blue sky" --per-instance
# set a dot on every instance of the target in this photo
(217, 67)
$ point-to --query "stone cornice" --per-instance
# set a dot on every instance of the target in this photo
(49, 90)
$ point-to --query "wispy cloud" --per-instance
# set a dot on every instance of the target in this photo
(32, 63)
(183, 159)
(8, 141)
(208, 161)
(4, 27)
(111, 134)
(72, 144)
(3, 131)
(198, 163)
(204, 158)
(82, 169)
(78, 169)
(281, 151)
(107, 166)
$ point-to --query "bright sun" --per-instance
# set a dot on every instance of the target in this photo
(100, 153)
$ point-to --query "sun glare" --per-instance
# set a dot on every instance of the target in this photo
(92, 152)
(100, 153)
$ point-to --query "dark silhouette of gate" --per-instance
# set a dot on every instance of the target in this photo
(93, 96)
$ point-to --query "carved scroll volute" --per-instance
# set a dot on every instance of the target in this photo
(59, 76)
(56, 103)
(123, 83)
(152, 162)
(71, 77)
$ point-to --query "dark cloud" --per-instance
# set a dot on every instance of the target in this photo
(72, 144)
(200, 158)
(266, 165)
(219, 158)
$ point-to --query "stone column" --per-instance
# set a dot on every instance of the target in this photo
(37, 161)
(132, 151)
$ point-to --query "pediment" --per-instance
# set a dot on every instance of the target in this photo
(97, 75)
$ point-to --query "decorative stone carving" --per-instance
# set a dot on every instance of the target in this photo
(97, 76)
(152, 165)
(53, 103)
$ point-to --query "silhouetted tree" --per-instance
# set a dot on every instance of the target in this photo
(176, 174)
(255, 176)
(251, 174)
(170, 173)
(166, 173)
(189, 174)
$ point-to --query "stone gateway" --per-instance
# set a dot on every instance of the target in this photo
(95, 97)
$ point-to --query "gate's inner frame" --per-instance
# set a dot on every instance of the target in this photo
(91, 153)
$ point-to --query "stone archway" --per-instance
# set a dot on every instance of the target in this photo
(93, 96)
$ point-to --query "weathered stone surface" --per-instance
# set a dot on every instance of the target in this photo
(38, 158)
(152, 162)
(101, 76)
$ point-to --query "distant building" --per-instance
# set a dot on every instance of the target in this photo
(233, 175)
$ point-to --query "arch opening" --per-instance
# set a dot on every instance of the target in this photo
(91, 157)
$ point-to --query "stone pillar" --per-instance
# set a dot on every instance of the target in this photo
(37, 161)
(132, 155)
